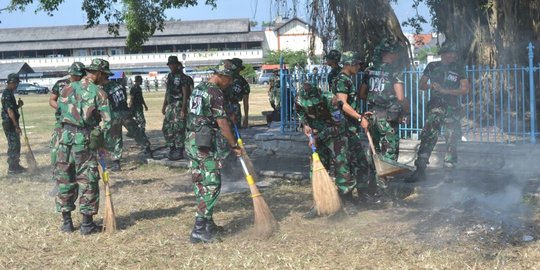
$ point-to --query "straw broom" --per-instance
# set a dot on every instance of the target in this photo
(28, 155)
(265, 223)
(325, 194)
(109, 219)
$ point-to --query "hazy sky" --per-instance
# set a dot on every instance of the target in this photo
(70, 13)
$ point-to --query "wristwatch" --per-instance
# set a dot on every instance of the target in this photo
(360, 119)
(236, 146)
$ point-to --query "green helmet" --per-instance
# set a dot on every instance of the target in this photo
(13, 77)
(448, 47)
(333, 55)
(77, 69)
(350, 58)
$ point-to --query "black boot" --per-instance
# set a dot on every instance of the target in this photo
(67, 224)
(115, 167)
(173, 154)
(88, 226)
(349, 206)
(420, 172)
(212, 227)
(148, 152)
(15, 169)
(200, 234)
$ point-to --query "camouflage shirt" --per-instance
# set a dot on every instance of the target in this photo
(117, 96)
(84, 104)
(238, 89)
(380, 79)
(175, 82)
(343, 84)
(58, 86)
(315, 109)
(206, 105)
(9, 102)
(448, 76)
(137, 98)
(332, 75)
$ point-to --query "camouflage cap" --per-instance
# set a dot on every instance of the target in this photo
(388, 45)
(13, 77)
(173, 60)
(448, 47)
(77, 69)
(351, 58)
(333, 55)
(138, 78)
(225, 72)
(99, 65)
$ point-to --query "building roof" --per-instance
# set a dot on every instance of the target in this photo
(77, 36)
(281, 25)
(18, 67)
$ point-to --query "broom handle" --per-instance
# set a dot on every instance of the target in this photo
(313, 148)
(238, 138)
(23, 124)
(104, 173)
(370, 142)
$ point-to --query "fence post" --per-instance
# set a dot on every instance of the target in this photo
(532, 94)
(282, 95)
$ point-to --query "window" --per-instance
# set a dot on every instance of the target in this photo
(98, 51)
(116, 51)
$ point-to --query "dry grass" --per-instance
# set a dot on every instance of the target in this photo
(155, 210)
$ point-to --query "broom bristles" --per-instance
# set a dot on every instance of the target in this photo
(109, 219)
(265, 223)
(325, 195)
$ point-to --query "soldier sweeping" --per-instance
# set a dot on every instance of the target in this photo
(208, 132)
(122, 116)
(83, 107)
(10, 124)
(447, 82)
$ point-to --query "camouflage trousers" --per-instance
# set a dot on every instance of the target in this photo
(437, 117)
(55, 138)
(138, 115)
(385, 137)
(14, 147)
(359, 162)
(205, 165)
(76, 173)
(274, 97)
(234, 112)
(174, 128)
(333, 148)
(114, 140)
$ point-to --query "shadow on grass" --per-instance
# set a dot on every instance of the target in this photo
(125, 222)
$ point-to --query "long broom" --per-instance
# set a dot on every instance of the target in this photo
(325, 195)
(265, 223)
(109, 219)
(28, 155)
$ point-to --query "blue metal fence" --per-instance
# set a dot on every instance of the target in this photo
(500, 106)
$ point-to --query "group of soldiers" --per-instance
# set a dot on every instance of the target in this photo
(90, 111)
(332, 122)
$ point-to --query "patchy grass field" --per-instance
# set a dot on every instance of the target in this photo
(155, 210)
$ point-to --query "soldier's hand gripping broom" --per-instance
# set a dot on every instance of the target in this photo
(265, 223)
(29, 155)
(109, 219)
(325, 194)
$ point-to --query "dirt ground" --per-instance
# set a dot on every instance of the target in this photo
(481, 223)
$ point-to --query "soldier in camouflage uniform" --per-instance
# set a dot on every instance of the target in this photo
(324, 121)
(238, 91)
(332, 59)
(82, 105)
(76, 72)
(382, 87)
(174, 108)
(10, 124)
(447, 81)
(206, 120)
(122, 116)
(137, 102)
(346, 92)
(274, 92)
